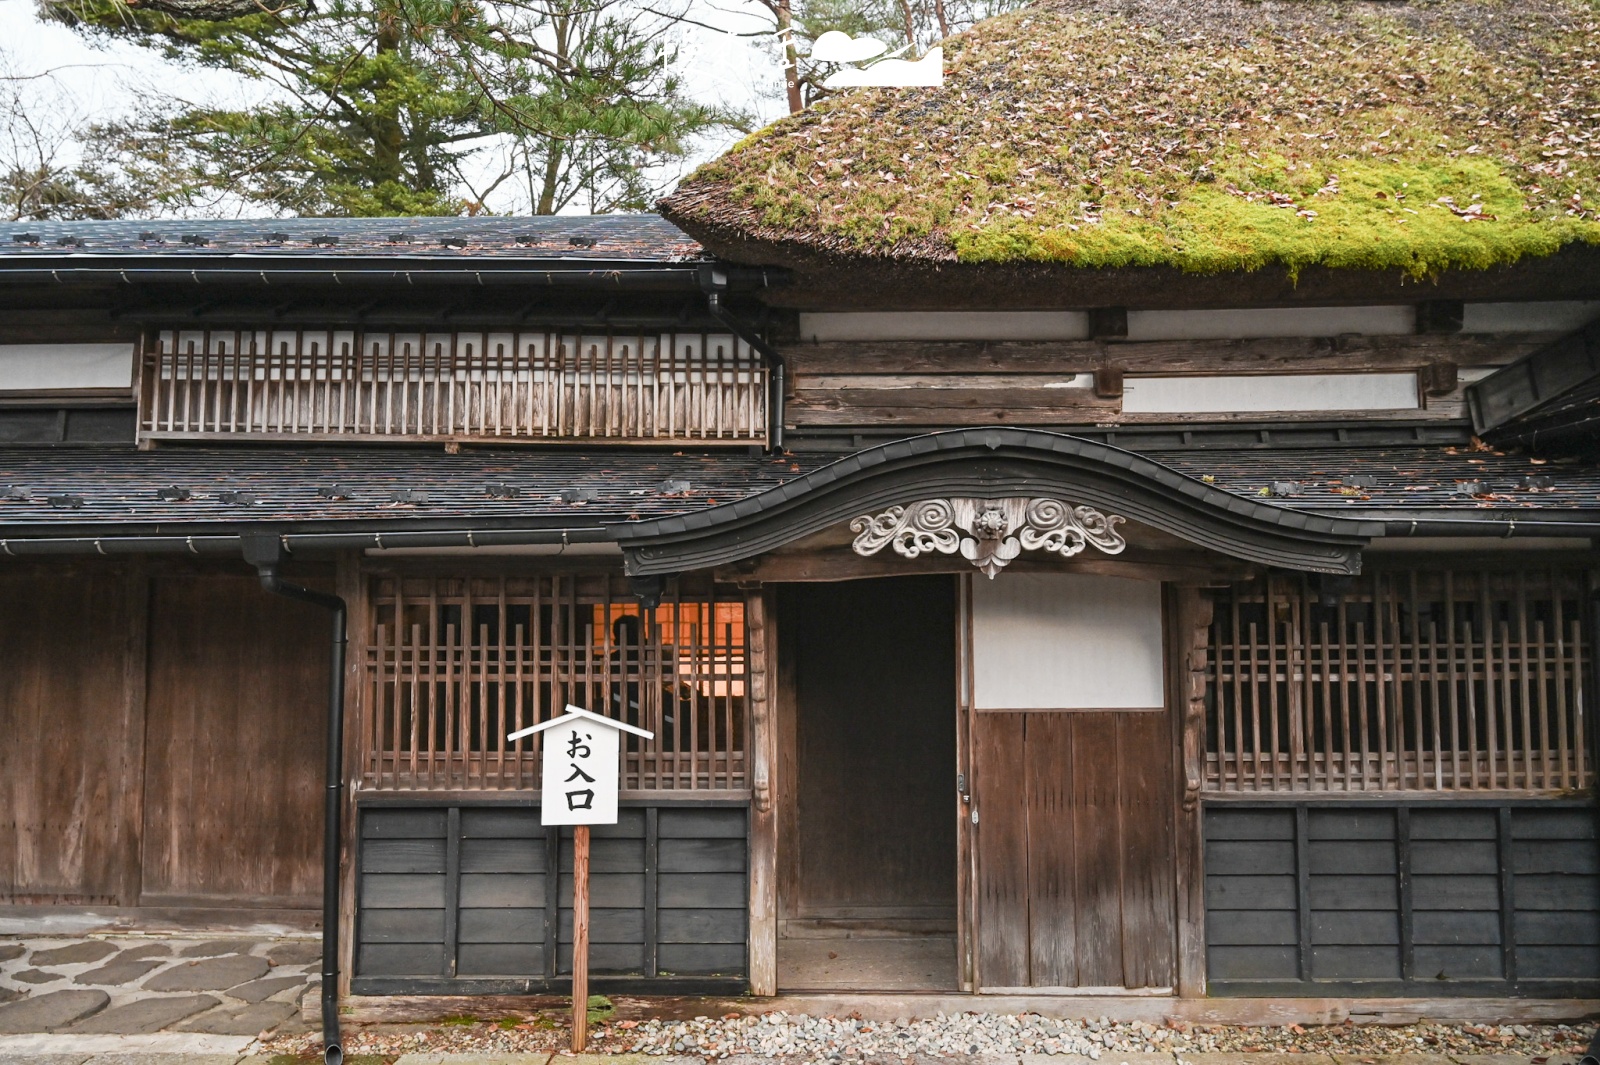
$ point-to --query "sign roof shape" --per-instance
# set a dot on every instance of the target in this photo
(578, 711)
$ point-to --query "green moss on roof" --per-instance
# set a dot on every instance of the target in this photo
(1213, 135)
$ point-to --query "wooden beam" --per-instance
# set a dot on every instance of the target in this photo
(845, 565)
(1191, 612)
(130, 830)
(763, 929)
(351, 584)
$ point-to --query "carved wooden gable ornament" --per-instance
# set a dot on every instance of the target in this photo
(989, 533)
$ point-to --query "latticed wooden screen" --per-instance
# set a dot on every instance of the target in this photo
(454, 664)
(352, 385)
(1414, 680)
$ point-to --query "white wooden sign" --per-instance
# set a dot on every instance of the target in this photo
(582, 761)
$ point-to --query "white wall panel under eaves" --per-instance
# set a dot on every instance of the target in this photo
(1066, 641)
(65, 367)
(1270, 392)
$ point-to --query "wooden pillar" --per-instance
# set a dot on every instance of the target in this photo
(762, 645)
(1191, 614)
(351, 585)
(580, 938)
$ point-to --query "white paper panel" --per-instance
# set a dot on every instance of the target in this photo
(1551, 317)
(1055, 641)
(1271, 322)
(1271, 392)
(31, 367)
(945, 325)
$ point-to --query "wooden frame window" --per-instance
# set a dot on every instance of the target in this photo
(454, 664)
(343, 384)
(1407, 680)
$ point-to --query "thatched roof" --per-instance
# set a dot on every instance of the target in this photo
(1203, 135)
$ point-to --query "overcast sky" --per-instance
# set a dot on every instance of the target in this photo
(77, 78)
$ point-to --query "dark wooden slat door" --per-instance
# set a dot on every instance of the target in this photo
(1075, 858)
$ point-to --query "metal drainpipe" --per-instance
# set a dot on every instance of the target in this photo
(1591, 1056)
(265, 552)
(714, 282)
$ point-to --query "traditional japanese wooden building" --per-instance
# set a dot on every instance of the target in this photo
(1023, 601)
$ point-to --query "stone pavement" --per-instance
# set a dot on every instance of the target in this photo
(136, 985)
(164, 1050)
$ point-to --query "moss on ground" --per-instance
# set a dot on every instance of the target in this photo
(1212, 135)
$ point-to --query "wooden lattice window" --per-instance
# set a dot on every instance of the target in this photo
(344, 384)
(1407, 680)
(454, 664)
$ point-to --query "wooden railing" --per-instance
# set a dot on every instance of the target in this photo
(461, 386)
(455, 664)
(1438, 681)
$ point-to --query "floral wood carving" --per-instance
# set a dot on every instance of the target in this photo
(989, 533)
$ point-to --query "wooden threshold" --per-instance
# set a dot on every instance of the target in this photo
(1153, 1009)
(22, 920)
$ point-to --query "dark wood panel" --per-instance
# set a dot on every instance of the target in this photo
(1252, 927)
(1455, 893)
(1247, 824)
(1250, 892)
(701, 926)
(1555, 856)
(687, 891)
(1443, 927)
(1355, 963)
(400, 959)
(1350, 824)
(403, 855)
(1454, 824)
(501, 959)
(875, 730)
(1354, 892)
(607, 856)
(1002, 839)
(237, 685)
(502, 855)
(1534, 823)
(703, 855)
(1563, 928)
(1354, 927)
(606, 958)
(1458, 962)
(608, 926)
(1352, 856)
(400, 890)
(491, 823)
(403, 824)
(1457, 856)
(401, 926)
(1258, 857)
(702, 958)
(679, 823)
(1556, 892)
(69, 830)
(503, 889)
(503, 925)
(615, 890)
(1558, 963)
(1253, 963)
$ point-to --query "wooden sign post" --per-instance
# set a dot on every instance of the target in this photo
(581, 763)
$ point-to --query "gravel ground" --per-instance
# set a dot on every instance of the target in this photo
(959, 1035)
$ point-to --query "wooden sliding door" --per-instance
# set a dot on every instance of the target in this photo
(1074, 847)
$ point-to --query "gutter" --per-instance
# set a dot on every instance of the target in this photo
(230, 544)
(1505, 528)
(714, 282)
(234, 270)
(265, 552)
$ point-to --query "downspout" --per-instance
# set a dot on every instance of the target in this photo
(714, 283)
(1591, 1056)
(265, 552)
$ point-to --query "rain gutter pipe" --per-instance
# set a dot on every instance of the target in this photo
(235, 271)
(714, 282)
(230, 543)
(1591, 1056)
(265, 552)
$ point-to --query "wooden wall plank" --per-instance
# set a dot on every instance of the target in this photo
(1051, 861)
(761, 636)
(1002, 841)
(69, 715)
(1146, 790)
(235, 736)
(1098, 824)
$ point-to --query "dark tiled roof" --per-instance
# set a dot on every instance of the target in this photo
(283, 484)
(630, 237)
(1402, 479)
(572, 488)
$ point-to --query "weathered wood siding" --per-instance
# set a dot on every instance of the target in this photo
(1442, 898)
(1075, 872)
(478, 899)
(66, 736)
(163, 732)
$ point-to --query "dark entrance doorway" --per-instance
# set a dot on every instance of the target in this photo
(868, 847)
